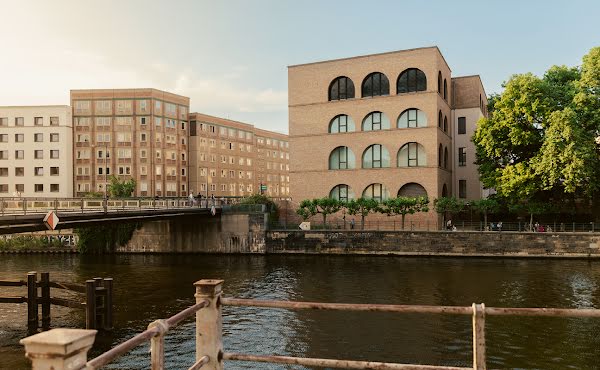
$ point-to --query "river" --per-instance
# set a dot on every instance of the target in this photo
(148, 287)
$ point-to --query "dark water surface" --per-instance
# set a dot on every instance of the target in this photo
(148, 287)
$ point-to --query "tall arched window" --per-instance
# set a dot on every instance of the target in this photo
(440, 82)
(341, 88)
(412, 189)
(440, 155)
(411, 80)
(341, 123)
(445, 90)
(375, 121)
(375, 84)
(446, 157)
(341, 158)
(444, 191)
(342, 193)
(412, 155)
(376, 156)
(412, 117)
(445, 123)
(376, 191)
(440, 119)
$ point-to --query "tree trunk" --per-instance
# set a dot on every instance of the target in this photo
(531, 222)
(362, 221)
(403, 215)
(324, 221)
(484, 220)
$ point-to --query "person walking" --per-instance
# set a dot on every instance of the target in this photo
(352, 224)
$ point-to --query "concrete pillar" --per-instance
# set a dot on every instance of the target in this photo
(209, 324)
(59, 349)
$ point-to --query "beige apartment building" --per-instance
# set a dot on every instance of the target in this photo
(130, 133)
(35, 151)
(230, 158)
(375, 126)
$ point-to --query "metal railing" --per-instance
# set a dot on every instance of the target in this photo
(209, 344)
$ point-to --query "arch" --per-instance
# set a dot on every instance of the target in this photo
(411, 80)
(342, 192)
(440, 82)
(341, 88)
(440, 154)
(412, 117)
(445, 123)
(375, 84)
(412, 155)
(375, 121)
(342, 158)
(376, 156)
(445, 90)
(341, 123)
(376, 191)
(412, 189)
(440, 119)
(446, 157)
(444, 191)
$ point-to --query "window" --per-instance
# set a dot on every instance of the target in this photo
(375, 121)
(342, 193)
(3, 154)
(54, 154)
(341, 88)
(183, 125)
(440, 154)
(82, 121)
(3, 138)
(445, 90)
(3, 171)
(38, 154)
(54, 138)
(445, 124)
(462, 189)
(412, 155)
(19, 154)
(54, 121)
(440, 119)
(20, 188)
(341, 158)
(376, 191)
(3, 188)
(376, 156)
(54, 171)
(375, 84)
(412, 118)
(54, 188)
(38, 171)
(19, 121)
(157, 121)
(462, 157)
(411, 80)
(38, 121)
(38, 188)
(38, 138)
(19, 171)
(462, 125)
(446, 157)
(440, 82)
(143, 153)
(3, 121)
(341, 123)
(19, 138)
(143, 137)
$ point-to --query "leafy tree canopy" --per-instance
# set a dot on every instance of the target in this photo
(121, 188)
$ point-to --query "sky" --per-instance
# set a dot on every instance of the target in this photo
(231, 56)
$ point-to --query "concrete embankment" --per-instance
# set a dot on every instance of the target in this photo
(435, 243)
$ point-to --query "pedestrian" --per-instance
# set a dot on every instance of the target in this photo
(192, 200)
(536, 227)
(499, 226)
(449, 225)
(352, 224)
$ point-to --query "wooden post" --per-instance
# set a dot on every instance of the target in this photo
(90, 304)
(45, 300)
(32, 308)
(157, 345)
(108, 304)
(479, 337)
(59, 349)
(209, 324)
(99, 303)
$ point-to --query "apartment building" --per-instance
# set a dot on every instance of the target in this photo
(139, 134)
(230, 158)
(374, 126)
(35, 151)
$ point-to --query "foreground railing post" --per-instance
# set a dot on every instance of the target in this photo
(209, 324)
(32, 304)
(59, 349)
(157, 345)
(479, 336)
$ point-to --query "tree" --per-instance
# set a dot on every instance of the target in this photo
(404, 205)
(362, 207)
(326, 206)
(448, 205)
(307, 209)
(485, 206)
(121, 188)
(531, 207)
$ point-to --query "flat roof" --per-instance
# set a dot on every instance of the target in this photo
(478, 77)
(36, 106)
(225, 121)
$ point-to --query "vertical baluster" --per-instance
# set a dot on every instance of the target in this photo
(479, 337)
(209, 324)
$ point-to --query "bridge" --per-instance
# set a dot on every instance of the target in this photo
(27, 214)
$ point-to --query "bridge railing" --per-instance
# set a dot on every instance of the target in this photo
(67, 348)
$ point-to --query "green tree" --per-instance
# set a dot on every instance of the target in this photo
(326, 206)
(448, 205)
(362, 207)
(121, 188)
(485, 206)
(307, 209)
(404, 206)
(531, 208)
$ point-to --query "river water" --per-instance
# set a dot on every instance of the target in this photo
(148, 287)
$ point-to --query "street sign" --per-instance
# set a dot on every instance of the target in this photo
(263, 187)
(51, 220)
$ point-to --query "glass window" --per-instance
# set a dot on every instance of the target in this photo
(341, 123)
(38, 138)
(342, 193)
(4, 171)
(38, 171)
(462, 125)
(38, 121)
(19, 121)
(19, 171)
(412, 118)
(54, 188)
(462, 157)
(54, 171)
(462, 189)
(445, 124)
(38, 154)
(376, 191)
(446, 157)
(445, 90)
(412, 189)
(54, 154)
(440, 119)
(375, 121)
(412, 155)
(341, 158)
(375, 84)
(19, 138)
(440, 82)
(53, 121)
(54, 138)
(38, 188)
(341, 88)
(376, 156)
(19, 154)
(411, 80)
(3, 121)
(4, 138)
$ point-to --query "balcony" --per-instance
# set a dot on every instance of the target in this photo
(124, 161)
(84, 144)
(82, 177)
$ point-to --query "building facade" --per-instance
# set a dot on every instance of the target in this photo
(374, 126)
(139, 134)
(35, 151)
(230, 158)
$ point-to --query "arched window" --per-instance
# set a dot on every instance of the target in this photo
(375, 84)
(376, 191)
(444, 191)
(412, 117)
(411, 80)
(440, 119)
(376, 156)
(342, 193)
(341, 158)
(446, 157)
(445, 123)
(341, 88)
(412, 189)
(412, 155)
(375, 121)
(440, 82)
(341, 123)
(445, 90)
(440, 154)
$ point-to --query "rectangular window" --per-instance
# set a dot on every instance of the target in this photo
(19, 121)
(19, 138)
(38, 171)
(143, 137)
(38, 188)
(38, 138)
(38, 154)
(54, 121)
(3, 138)
(54, 188)
(54, 138)
(3, 171)
(462, 125)
(54, 154)
(38, 121)
(20, 171)
(3, 188)
(462, 157)
(142, 120)
(20, 188)
(462, 189)
(54, 171)
(19, 154)
(3, 121)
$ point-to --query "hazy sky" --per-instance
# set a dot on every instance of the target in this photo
(230, 57)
